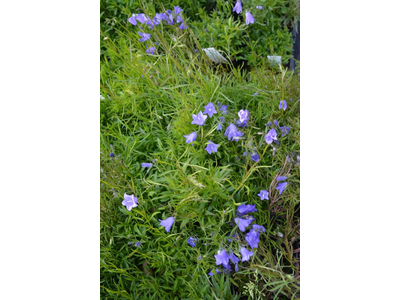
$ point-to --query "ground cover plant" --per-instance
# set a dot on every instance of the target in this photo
(199, 170)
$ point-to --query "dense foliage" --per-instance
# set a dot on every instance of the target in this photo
(147, 103)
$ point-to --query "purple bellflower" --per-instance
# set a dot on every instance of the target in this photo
(281, 187)
(233, 133)
(209, 109)
(112, 155)
(255, 157)
(249, 18)
(243, 115)
(192, 241)
(177, 10)
(167, 223)
(182, 26)
(151, 50)
(234, 259)
(246, 209)
(147, 165)
(283, 105)
(258, 228)
(219, 127)
(281, 178)
(222, 120)
(276, 123)
(199, 119)
(142, 18)
(246, 254)
(222, 258)
(223, 108)
(284, 130)
(138, 244)
(145, 36)
(255, 94)
(243, 223)
(238, 7)
(271, 136)
(191, 137)
(252, 238)
(130, 201)
(211, 147)
(263, 195)
(132, 20)
(259, 7)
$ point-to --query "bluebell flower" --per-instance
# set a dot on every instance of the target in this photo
(147, 165)
(281, 187)
(243, 223)
(284, 130)
(151, 50)
(249, 18)
(243, 115)
(209, 109)
(263, 195)
(211, 147)
(223, 108)
(132, 20)
(252, 239)
(259, 7)
(233, 133)
(167, 223)
(238, 7)
(192, 241)
(179, 19)
(170, 19)
(200, 257)
(182, 26)
(281, 178)
(236, 268)
(177, 10)
(130, 201)
(191, 137)
(244, 153)
(276, 123)
(199, 119)
(112, 155)
(196, 50)
(141, 18)
(138, 244)
(219, 127)
(255, 94)
(258, 228)
(222, 257)
(283, 105)
(145, 36)
(246, 209)
(246, 254)
(271, 136)
(222, 120)
(255, 157)
(211, 273)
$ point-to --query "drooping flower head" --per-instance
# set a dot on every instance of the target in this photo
(138, 244)
(263, 195)
(252, 239)
(246, 254)
(147, 165)
(222, 120)
(209, 109)
(223, 108)
(179, 19)
(255, 94)
(233, 133)
(243, 223)
(258, 228)
(182, 26)
(284, 130)
(246, 209)
(281, 178)
(243, 115)
(142, 18)
(191, 137)
(219, 127)
(282, 104)
(238, 7)
(145, 36)
(132, 20)
(130, 201)
(281, 187)
(167, 223)
(255, 157)
(199, 119)
(211, 147)
(222, 257)
(249, 18)
(271, 136)
(234, 259)
(112, 155)
(151, 50)
(192, 241)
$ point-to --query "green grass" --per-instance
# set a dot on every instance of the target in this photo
(145, 119)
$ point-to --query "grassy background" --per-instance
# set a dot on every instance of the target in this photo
(147, 108)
